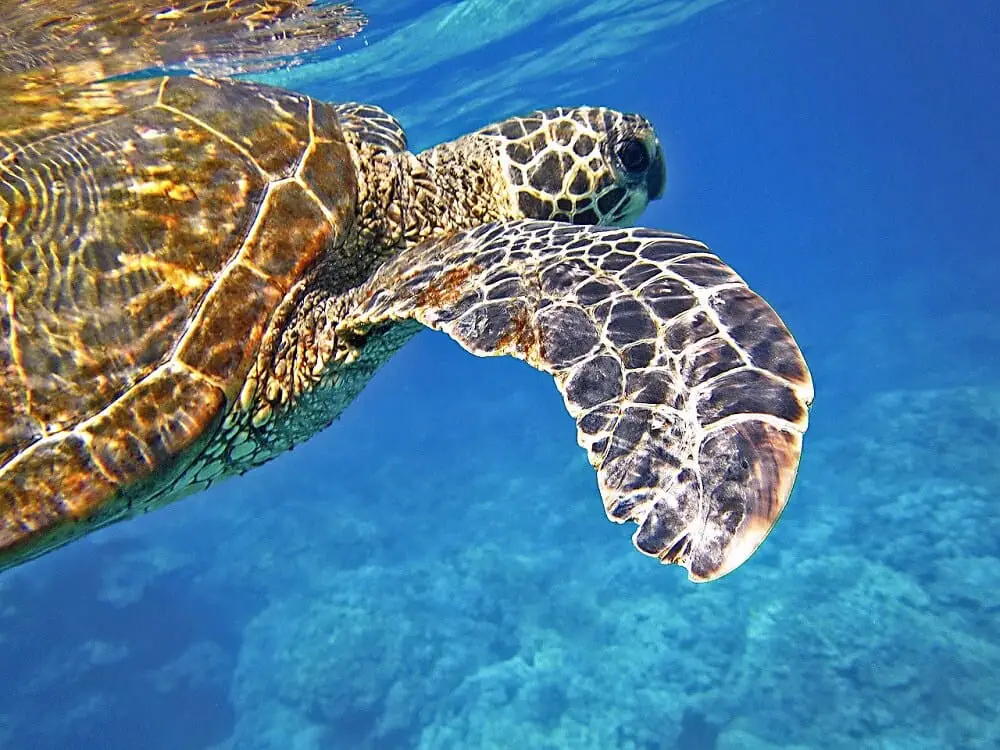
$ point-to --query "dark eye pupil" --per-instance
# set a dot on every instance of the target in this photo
(634, 156)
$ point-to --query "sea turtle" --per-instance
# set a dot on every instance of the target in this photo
(198, 273)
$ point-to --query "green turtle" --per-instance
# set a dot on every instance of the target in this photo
(198, 273)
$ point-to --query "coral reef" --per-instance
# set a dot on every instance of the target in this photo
(872, 604)
(367, 620)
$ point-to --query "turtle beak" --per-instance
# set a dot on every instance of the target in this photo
(656, 177)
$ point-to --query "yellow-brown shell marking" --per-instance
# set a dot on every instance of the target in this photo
(148, 231)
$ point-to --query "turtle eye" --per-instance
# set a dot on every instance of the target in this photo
(633, 156)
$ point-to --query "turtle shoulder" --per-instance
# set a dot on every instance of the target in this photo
(372, 125)
(148, 231)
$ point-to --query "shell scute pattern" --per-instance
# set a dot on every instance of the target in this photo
(270, 127)
(61, 479)
(40, 109)
(132, 218)
(224, 336)
(144, 250)
(142, 431)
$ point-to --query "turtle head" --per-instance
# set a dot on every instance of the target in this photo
(585, 165)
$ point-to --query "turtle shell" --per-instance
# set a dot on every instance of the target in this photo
(148, 231)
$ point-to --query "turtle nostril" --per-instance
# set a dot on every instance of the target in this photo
(656, 177)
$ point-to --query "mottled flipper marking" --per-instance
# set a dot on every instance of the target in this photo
(689, 393)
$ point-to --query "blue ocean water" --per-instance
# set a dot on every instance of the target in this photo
(435, 570)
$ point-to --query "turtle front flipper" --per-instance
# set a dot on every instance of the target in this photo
(690, 395)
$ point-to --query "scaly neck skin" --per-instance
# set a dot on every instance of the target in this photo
(313, 372)
(404, 199)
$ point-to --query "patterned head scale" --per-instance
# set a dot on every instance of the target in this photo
(585, 165)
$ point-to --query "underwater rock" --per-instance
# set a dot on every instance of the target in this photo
(109, 672)
(867, 604)
(970, 581)
(945, 433)
(869, 645)
(464, 653)
(360, 663)
(914, 485)
(380, 624)
(203, 666)
(130, 573)
(885, 604)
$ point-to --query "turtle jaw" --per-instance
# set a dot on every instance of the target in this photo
(641, 192)
(656, 177)
(629, 213)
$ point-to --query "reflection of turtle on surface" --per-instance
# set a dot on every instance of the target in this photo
(199, 273)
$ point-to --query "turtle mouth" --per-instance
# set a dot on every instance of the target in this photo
(629, 212)
(632, 217)
(656, 176)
